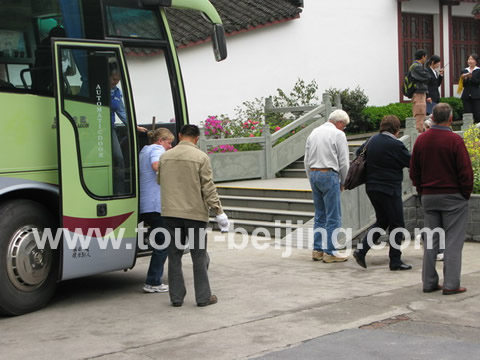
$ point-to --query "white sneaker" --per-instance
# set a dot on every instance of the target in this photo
(440, 257)
(155, 289)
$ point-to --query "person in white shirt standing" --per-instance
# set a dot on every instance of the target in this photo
(150, 205)
(326, 163)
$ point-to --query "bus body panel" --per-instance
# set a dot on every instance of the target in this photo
(29, 140)
(58, 167)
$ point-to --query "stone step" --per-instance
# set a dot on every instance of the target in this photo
(293, 173)
(261, 192)
(268, 203)
(269, 215)
(297, 165)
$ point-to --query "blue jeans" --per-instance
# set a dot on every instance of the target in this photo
(328, 212)
(157, 261)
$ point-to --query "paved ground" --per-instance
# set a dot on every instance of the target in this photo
(270, 307)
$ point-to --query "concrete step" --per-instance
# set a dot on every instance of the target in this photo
(261, 192)
(268, 203)
(297, 165)
(269, 215)
(278, 230)
(293, 173)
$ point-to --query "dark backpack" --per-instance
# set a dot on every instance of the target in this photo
(409, 85)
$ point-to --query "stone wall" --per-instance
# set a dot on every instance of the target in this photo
(413, 214)
(473, 228)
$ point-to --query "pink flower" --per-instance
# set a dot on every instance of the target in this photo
(277, 128)
(251, 135)
(207, 133)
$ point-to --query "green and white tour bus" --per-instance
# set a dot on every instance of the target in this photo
(61, 139)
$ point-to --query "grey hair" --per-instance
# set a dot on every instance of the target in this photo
(441, 113)
(339, 115)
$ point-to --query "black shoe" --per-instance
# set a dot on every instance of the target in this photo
(436, 288)
(360, 258)
(177, 304)
(213, 300)
(400, 266)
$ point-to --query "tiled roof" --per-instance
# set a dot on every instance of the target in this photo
(188, 27)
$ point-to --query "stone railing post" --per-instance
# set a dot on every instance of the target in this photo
(267, 149)
(202, 142)
(467, 121)
(268, 104)
(328, 105)
(338, 101)
(411, 131)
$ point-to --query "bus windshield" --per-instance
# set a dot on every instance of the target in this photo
(132, 23)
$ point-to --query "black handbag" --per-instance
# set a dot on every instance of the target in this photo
(357, 173)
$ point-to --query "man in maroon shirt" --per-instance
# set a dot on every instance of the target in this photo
(441, 169)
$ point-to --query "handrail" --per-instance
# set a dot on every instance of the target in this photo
(292, 109)
(298, 122)
(230, 141)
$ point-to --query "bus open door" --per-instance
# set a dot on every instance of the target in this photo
(97, 158)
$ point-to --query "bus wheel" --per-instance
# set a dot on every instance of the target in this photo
(28, 275)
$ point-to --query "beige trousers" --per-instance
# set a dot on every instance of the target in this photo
(419, 109)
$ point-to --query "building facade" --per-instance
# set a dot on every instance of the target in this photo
(341, 44)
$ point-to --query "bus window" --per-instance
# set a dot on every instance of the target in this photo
(93, 100)
(151, 87)
(19, 76)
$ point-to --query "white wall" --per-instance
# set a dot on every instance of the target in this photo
(464, 9)
(334, 42)
(341, 43)
(421, 6)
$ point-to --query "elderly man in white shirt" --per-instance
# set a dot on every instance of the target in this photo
(326, 163)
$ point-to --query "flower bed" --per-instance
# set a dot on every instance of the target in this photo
(472, 142)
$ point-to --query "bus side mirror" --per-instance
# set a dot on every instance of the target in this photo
(219, 42)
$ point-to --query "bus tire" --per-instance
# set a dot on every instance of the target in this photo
(28, 275)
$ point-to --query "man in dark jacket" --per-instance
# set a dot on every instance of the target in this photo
(421, 77)
(441, 169)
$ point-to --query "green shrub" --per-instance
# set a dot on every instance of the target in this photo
(457, 106)
(353, 102)
(374, 114)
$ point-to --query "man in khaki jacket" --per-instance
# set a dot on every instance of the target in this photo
(188, 193)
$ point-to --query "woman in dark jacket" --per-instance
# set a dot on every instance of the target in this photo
(471, 87)
(386, 158)
(436, 78)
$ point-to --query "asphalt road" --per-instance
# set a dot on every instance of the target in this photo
(269, 307)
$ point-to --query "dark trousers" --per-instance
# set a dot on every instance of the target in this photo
(157, 261)
(389, 214)
(179, 230)
(472, 106)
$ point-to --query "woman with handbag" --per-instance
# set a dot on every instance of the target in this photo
(386, 157)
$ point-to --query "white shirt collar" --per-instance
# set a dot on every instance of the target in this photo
(468, 68)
